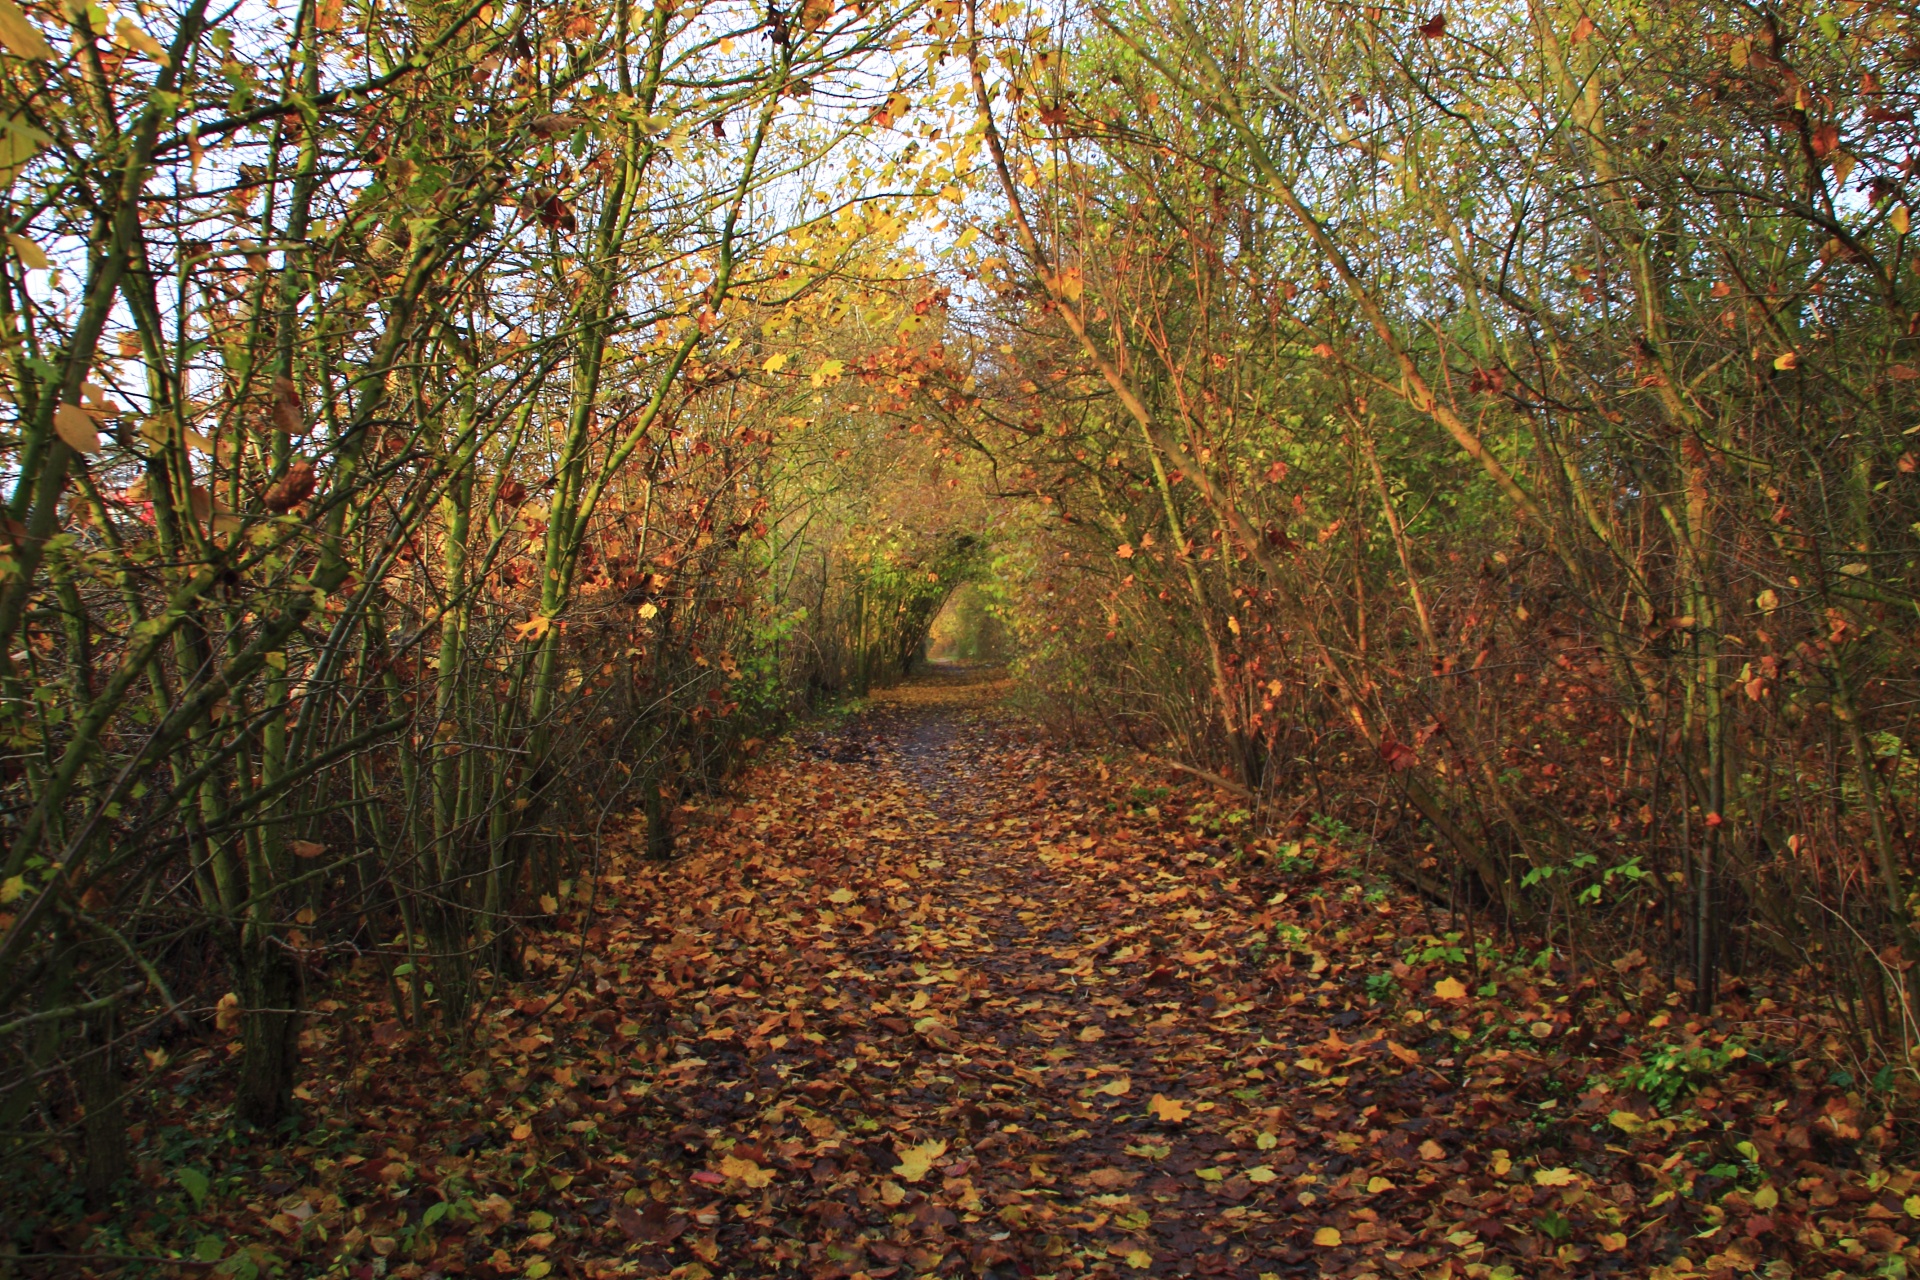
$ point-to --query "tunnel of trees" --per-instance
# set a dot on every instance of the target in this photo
(437, 430)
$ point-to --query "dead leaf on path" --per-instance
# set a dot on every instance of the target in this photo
(747, 1171)
(915, 1161)
(1167, 1110)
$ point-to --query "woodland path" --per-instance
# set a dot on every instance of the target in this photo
(971, 1021)
(930, 994)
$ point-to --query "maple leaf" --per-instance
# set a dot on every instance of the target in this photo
(1450, 989)
(1168, 1110)
(1554, 1177)
(915, 1161)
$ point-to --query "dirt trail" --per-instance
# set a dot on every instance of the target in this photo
(993, 1031)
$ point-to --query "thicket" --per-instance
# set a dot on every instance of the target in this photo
(1491, 429)
(437, 430)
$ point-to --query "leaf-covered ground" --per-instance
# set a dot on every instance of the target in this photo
(932, 996)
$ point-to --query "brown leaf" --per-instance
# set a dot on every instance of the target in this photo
(293, 488)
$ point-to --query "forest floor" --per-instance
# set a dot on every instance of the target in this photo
(932, 993)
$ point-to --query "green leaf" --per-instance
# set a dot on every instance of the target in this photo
(209, 1248)
(194, 1183)
(434, 1213)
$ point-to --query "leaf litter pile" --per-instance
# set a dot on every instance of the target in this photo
(929, 997)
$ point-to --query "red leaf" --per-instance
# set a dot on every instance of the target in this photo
(1399, 756)
(1435, 27)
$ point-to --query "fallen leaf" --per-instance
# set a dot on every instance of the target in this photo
(1561, 1177)
(1450, 989)
(915, 1161)
(1327, 1237)
(747, 1171)
(1168, 1110)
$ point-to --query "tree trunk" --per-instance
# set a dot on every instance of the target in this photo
(270, 1029)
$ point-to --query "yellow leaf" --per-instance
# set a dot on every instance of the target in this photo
(1765, 1198)
(747, 1171)
(29, 252)
(1554, 1177)
(1139, 1259)
(967, 237)
(1116, 1088)
(134, 38)
(1502, 1164)
(842, 896)
(1167, 1109)
(1261, 1173)
(21, 37)
(226, 1012)
(1327, 1237)
(11, 888)
(77, 427)
(775, 361)
(915, 1161)
(1210, 1175)
(827, 369)
(1450, 989)
(1626, 1121)
(1900, 219)
(1376, 1184)
(1266, 1142)
(1912, 1206)
(1786, 360)
(1090, 1034)
(19, 142)
(1612, 1241)
(534, 628)
(522, 1131)
(1767, 601)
